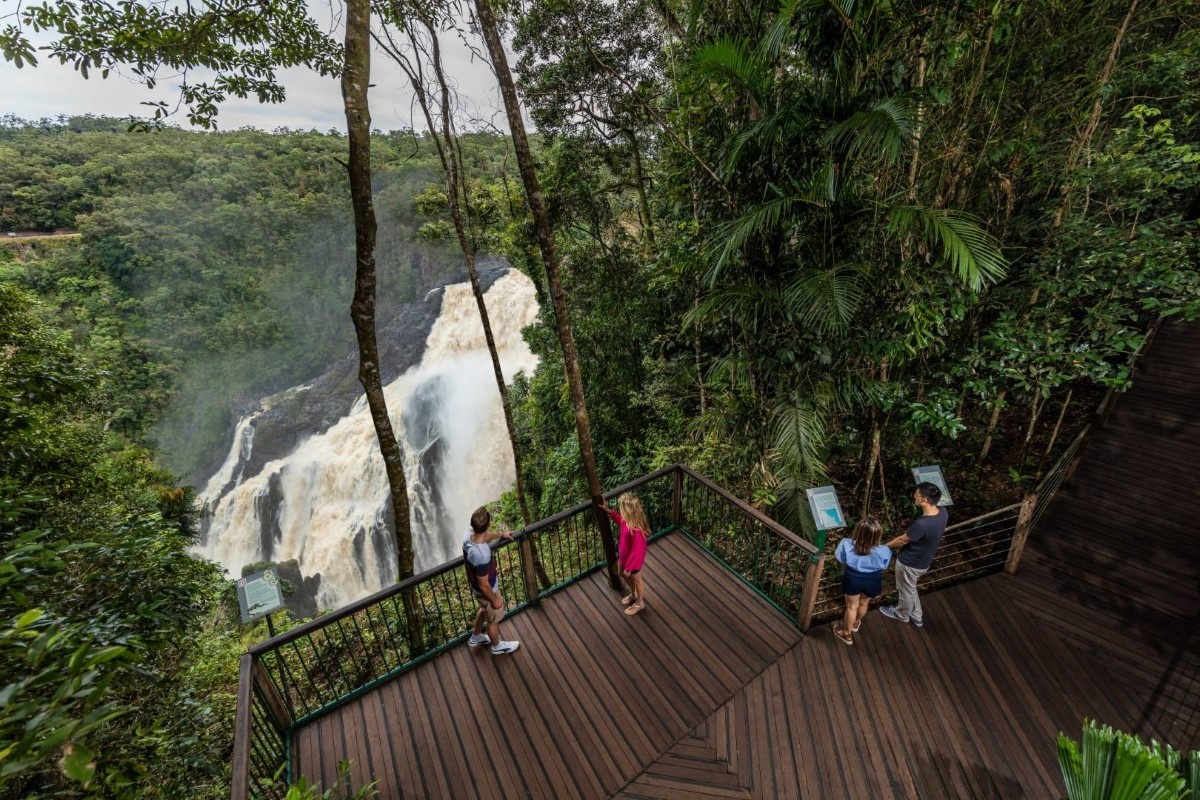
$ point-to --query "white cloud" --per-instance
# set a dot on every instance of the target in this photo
(52, 89)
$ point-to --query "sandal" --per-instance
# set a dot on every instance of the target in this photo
(633, 609)
(627, 599)
(846, 636)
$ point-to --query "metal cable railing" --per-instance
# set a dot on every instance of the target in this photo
(976, 546)
(767, 556)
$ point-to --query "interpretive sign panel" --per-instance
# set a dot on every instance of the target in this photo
(826, 510)
(933, 474)
(259, 594)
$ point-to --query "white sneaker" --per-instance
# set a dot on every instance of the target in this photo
(502, 648)
(478, 639)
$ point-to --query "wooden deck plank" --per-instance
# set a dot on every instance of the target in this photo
(710, 692)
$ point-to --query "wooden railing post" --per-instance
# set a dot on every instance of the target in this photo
(1024, 521)
(528, 570)
(274, 701)
(677, 499)
(812, 584)
(240, 784)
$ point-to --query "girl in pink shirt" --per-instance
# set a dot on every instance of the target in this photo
(631, 548)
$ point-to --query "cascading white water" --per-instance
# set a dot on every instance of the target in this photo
(325, 503)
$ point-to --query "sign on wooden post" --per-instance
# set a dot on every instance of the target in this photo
(1024, 523)
(259, 594)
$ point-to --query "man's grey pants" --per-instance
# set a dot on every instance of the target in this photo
(909, 607)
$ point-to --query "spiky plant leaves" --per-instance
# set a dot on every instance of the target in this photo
(1112, 765)
(731, 237)
(1070, 762)
(1191, 773)
(970, 251)
(729, 59)
(882, 131)
(748, 302)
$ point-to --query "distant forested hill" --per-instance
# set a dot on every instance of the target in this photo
(210, 266)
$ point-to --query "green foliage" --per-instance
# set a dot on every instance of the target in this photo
(102, 609)
(1111, 765)
(303, 790)
(239, 46)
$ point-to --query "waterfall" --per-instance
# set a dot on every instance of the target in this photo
(327, 504)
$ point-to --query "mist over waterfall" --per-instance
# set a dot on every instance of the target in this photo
(325, 503)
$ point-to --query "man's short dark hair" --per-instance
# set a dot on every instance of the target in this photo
(929, 491)
(481, 519)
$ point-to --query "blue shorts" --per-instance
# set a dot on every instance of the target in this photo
(868, 583)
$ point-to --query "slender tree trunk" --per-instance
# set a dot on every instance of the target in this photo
(1035, 411)
(1058, 424)
(876, 446)
(355, 78)
(648, 230)
(456, 194)
(1084, 139)
(545, 236)
(991, 428)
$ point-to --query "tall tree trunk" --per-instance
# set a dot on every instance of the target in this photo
(456, 193)
(1084, 139)
(643, 201)
(876, 446)
(355, 78)
(1058, 424)
(545, 236)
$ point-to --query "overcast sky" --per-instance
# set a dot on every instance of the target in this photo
(51, 89)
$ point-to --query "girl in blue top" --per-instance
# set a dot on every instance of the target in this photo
(865, 558)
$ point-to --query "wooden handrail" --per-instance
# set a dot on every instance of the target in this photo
(988, 515)
(749, 510)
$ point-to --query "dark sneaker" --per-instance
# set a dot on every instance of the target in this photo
(478, 639)
(503, 648)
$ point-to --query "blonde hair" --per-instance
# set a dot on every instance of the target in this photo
(630, 509)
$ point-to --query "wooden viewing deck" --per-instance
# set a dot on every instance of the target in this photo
(711, 692)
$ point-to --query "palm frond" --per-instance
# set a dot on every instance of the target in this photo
(825, 299)
(730, 59)
(971, 252)
(772, 44)
(798, 436)
(747, 303)
(757, 137)
(882, 131)
(820, 187)
(730, 238)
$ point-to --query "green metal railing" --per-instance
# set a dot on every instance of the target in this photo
(291, 679)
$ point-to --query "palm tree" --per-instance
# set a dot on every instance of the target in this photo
(826, 237)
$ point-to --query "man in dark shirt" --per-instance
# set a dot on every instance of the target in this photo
(917, 547)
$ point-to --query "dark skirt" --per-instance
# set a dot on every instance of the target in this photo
(868, 583)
